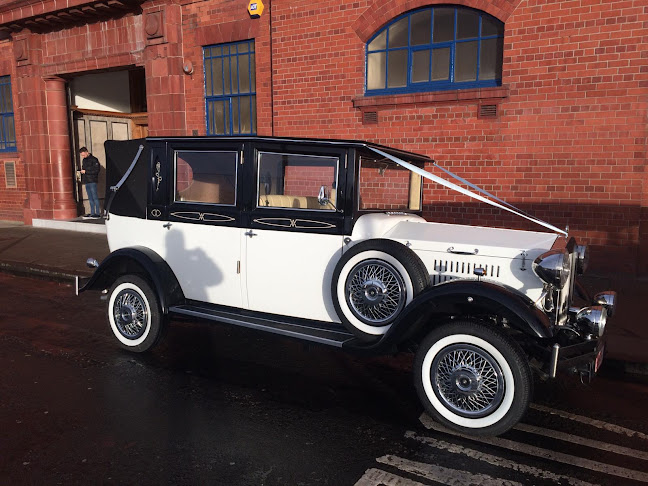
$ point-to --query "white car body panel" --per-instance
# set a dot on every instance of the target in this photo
(290, 273)
(451, 251)
(204, 258)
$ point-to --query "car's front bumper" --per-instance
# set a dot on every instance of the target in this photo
(583, 358)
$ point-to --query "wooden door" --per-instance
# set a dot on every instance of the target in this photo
(91, 131)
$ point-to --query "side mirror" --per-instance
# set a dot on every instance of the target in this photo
(322, 197)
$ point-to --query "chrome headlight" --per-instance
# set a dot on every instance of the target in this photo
(553, 267)
(593, 318)
(582, 258)
(608, 300)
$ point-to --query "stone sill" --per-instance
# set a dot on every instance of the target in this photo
(495, 94)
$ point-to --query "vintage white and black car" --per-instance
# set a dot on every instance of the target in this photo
(323, 241)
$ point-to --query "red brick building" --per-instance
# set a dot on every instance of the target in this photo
(542, 102)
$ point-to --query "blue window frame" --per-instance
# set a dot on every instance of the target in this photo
(230, 88)
(7, 126)
(435, 48)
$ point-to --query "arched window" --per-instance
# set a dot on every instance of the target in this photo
(435, 48)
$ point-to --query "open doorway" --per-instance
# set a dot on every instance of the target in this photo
(105, 106)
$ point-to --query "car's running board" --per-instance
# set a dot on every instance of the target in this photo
(304, 330)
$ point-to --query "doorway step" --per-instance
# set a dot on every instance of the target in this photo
(78, 224)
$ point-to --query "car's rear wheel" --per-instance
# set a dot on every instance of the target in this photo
(134, 313)
(473, 378)
(372, 284)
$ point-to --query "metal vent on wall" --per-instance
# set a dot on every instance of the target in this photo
(369, 117)
(487, 111)
(10, 174)
(448, 270)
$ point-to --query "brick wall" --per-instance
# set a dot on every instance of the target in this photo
(12, 199)
(569, 141)
(209, 23)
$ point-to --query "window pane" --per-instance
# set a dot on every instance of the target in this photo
(376, 69)
(227, 88)
(208, 77)
(244, 74)
(216, 51)
(380, 42)
(466, 61)
(421, 66)
(441, 64)
(491, 26)
(421, 28)
(294, 181)
(385, 185)
(219, 117)
(245, 115)
(210, 118)
(234, 60)
(10, 130)
(253, 115)
(398, 34)
(490, 63)
(208, 177)
(467, 24)
(443, 25)
(242, 48)
(397, 72)
(235, 116)
(217, 76)
(252, 73)
(227, 128)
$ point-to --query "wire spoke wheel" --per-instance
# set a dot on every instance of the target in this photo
(130, 314)
(375, 292)
(468, 380)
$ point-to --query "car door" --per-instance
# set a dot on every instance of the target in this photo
(201, 237)
(293, 239)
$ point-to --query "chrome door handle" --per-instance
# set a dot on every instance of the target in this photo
(250, 233)
(462, 252)
(167, 225)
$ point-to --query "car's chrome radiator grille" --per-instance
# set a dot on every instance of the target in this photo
(445, 270)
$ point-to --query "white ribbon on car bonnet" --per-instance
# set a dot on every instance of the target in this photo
(505, 206)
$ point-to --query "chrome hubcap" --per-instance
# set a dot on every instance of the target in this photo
(130, 314)
(468, 380)
(375, 292)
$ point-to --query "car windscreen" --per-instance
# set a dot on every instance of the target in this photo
(384, 185)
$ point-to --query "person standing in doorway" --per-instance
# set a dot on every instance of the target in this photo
(89, 177)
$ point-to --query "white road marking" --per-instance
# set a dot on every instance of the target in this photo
(575, 439)
(540, 452)
(444, 475)
(378, 477)
(593, 422)
(497, 461)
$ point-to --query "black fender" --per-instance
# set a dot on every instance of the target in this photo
(469, 298)
(141, 261)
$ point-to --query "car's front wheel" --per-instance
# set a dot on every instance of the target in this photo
(134, 313)
(473, 378)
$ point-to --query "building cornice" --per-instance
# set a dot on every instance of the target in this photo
(47, 15)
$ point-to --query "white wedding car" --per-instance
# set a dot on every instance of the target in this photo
(323, 241)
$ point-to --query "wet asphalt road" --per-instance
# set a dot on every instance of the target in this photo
(226, 406)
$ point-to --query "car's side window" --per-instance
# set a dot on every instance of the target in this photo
(297, 181)
(206, 177)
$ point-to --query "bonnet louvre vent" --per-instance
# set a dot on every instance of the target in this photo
(10, 174)
(445, 270)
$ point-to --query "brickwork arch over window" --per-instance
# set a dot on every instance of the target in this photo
(435, 48)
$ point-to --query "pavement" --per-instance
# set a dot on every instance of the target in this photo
(58, 250)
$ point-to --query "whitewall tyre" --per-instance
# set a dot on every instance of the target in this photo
(134, 314)
(372, 284)
(473, 378)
